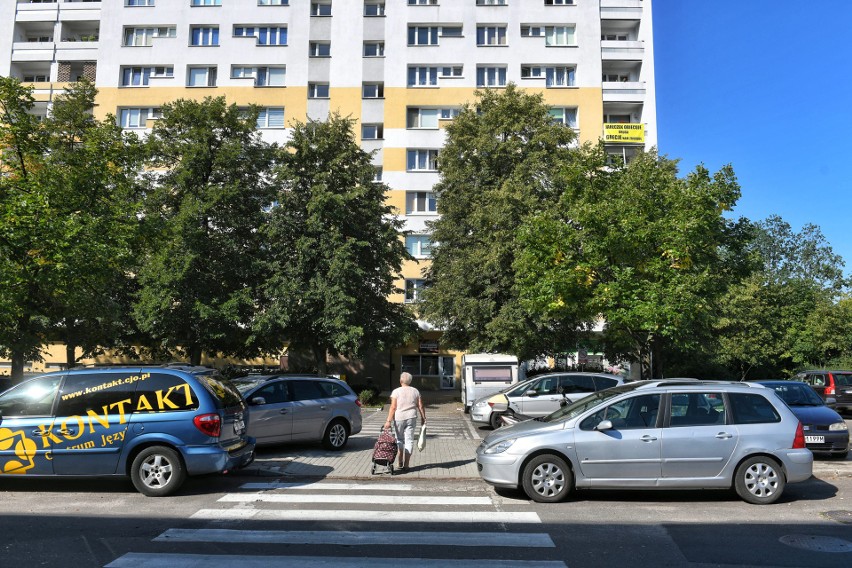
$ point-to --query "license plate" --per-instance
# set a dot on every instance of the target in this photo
(814, 439)
(239, 427)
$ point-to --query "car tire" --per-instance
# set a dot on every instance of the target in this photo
(759, 480)
(547, 479)
(494, 420)
(336, 435)
(157, 471)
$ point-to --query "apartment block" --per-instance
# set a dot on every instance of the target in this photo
(401, 68)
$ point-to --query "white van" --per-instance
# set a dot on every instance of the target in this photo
(486, 373)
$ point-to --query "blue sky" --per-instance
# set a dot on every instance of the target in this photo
(765, 86)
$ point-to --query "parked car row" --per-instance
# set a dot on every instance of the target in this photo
(160, 424)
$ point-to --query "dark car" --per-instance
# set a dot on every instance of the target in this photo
(155, 424)
(300, 408)
(825, 429)
(830, 384)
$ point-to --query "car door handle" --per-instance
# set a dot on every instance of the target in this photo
(323, 407)
(283, 411)
(38, 432)
(647, 438)
(724, 435)
(67, 431)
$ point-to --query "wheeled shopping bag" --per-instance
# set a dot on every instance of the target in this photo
(384, 452)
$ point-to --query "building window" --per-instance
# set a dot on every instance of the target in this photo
(374, 9)
(272, 117)
(420, 202)
(426, 118)
(201, 76)
(490, 76)
(422, 2)
(205, 35)
(136, 117)
(492, 2)
(373, 90)
(422, 161)
(532, 31)
(263, 76)
(558, 2)
(321, 8)
(319, 49)
(615, 78)
(264, 35)
(139, 76)
(559, 76)
(138, 2)
(617, 118)
(36, 78)
(414, 289)
(559, 36)
(419, 246)
(423, 35)
(273, 2)
(372, 131)
(374, 49)
(490, 35)
(206, 3)
(377, 175)
(428, 76)
(564, 115)
(429, 365)
(614, 37)
(144, 37)
(317, 90)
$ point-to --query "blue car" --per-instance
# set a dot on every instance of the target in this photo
(155, 424)
(825, 429)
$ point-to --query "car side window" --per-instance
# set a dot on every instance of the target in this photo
(747, 408)
(162, 392)
(546, 386)
(101, 393)
(628, 414)
(274, 393)
(696, 409)
(578, 383)
(602, 383)
(817, 380)
(33, 398)
(305, 390)
(330, 389)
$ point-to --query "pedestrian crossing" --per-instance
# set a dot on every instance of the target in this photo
(324, 524)
(447, 424)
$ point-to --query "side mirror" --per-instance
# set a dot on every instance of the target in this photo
(258, 401)
(531, 392)
(604, 425)
(830, 401)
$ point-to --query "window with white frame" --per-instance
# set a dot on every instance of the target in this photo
(139, 76)
(419, 246)
(321, 8)
(532, 31)
(423, 76)
(449, 113)
(422, 160)
(490, 35)
(263, 76)
(273, 2)
(451, 31)
(377, 175)
(532, 71)
(372, 131)
(144, 37)
(558, 2)
(564, 115)
(426, 118)
(618, 118)
(560, 76)
(201, 76)
(422, 2)
(319, 49)
(317, 90)
(206, 3)
(614, 37)
(559, 36)
(374, 49)
(204, 35)
(423, 35)
(264, 35)
(420, 202)
(137, 117)
(138, 2)
(492, 2)
(491, 76)
(36, 78)
(373, 90)
(414, 289)
(271, 117)
(374, 9)
(615, 77)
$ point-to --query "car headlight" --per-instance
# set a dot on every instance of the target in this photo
(838, 426)
(500, 447)
(480, 404)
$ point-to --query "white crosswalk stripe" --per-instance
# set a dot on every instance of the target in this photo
(372, 508)
(438, 425)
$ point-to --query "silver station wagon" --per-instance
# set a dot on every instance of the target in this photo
(675, 434)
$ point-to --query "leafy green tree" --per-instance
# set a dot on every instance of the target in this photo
(334, 250)
(646, 251)
(497, 168)
(208, 198)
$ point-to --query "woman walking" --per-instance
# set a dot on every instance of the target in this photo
(405, 405)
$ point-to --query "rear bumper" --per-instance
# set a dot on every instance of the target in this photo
(201, 460)
(799, 464)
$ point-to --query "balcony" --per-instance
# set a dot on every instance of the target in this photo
(621, 9)
(33, 51)
(622, 50)
(624, 92)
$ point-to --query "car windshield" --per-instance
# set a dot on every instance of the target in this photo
(588, 402)
(797, 394)
(520, 388)
(843, 379)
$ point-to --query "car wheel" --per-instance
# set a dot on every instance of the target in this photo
(494, 420)
(547, 479)
(157, 471)
(759, 480)
(336, 435)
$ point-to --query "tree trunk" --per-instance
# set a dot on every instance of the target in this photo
(320, 353)
(17, 366)
(70, 345)
(655, 349)
(195, 354)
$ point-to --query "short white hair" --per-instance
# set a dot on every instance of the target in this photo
(405, 378)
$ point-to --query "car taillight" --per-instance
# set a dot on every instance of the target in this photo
(829, 390)
(358, 402)
(799, 440)
(210, 424)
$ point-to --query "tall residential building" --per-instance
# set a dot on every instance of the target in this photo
(401, 68)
